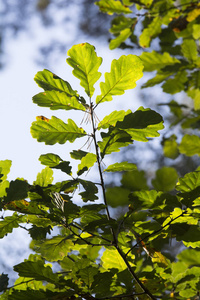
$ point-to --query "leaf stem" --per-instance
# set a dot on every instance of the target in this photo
(115, 242)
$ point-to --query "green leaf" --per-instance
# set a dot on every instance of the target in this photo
(17, 190)
(78, 154)
(134, 180)
(83, 59)
(176, 84)
(5, 166)
(90, 190)
(58, 100)
(3, 282)
(86, 162)
(44, 178)
(87, 275)
(54, 249)
(160, 77)
(150, 32)
(54, 130)
(141, 124)
(170, 148)
(190, 257)
(117, 196)
(112, 118)
(102, 284)
(49, 81)
(196, 31)
(113, 6)
(124, 34)
(112, 259)
(120, 23)
(54, 161)
(190, 145)
(113, 140)
(156, 61)
(166, 179)
(4, 170)
(119, 167)
(189, 50)
(195, 95)
(189, 182)
(36, 270)
(9, 223)
(124, 73)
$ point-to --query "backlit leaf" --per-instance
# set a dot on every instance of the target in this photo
(170, 148)
(124, 34)
(9, 223)
(112, 118)
(112, 6)
(189, 182)
(141, 124)
(56, 248)
(150, 32)
(54, 161)
(83, 59)
(111, 259)
(57, 100)
(123, 76)
(4, 170)
(189, 49)
(190, 145)
(49, 81)
(45, 177)
(56, 131)
(86, 162)
(156, 61)
(119, 167)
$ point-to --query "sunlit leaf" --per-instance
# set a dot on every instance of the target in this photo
(119, 167)
(189, 182)
(166, 179)
(49, 81)
(36, 270)
(4, 170)
(123, 76)
(86, 162)
(141, 124)
(9, 223)
(176, 84)
(156, 61)
(85, 62)
(56, 131)
(189, 49)
(55, 249)
(45, 177)
(190, 145)
(54, 161)
(112, 118)
(113, 140)
(58, 100)
(150, 32)
(112, 259)
(124, 34)
(112, 6)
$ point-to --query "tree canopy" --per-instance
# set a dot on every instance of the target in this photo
(150, 248)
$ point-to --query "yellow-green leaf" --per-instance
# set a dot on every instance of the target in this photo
(123, 76)
(85, 62)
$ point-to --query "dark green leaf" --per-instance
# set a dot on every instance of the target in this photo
(166, 179)
(3, 282)
(54, 161)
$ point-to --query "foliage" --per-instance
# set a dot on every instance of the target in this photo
(102, 255)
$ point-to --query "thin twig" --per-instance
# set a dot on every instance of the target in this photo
(155, 232)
